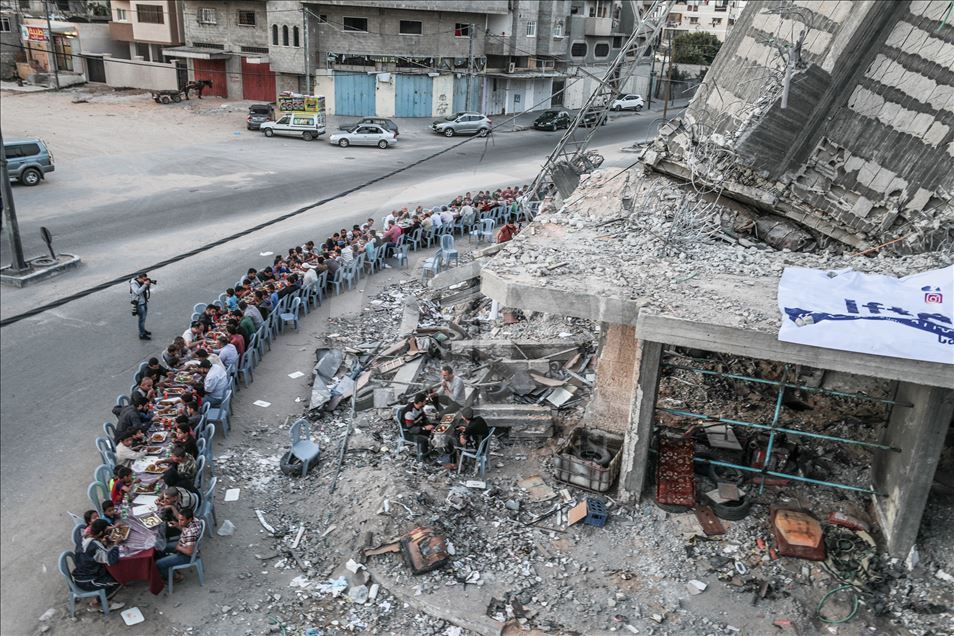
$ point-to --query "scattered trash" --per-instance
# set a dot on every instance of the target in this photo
(232, 494)
(696, 587)
(262, 403)
(132, 616)
(295, 375)
(261, 520)
(227, 529)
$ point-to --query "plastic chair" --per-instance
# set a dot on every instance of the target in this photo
(109, 458)
(207, 434)
(97, 494)
(122, 400)
(448, 249)
(485, 230)
(358, 264)
(222, 413)
(432, 265)
(479, 456)
(104, 445)
(66, 564)
(195, 316)
(401, 254)
(371, 260)
(207, 508)
(428, 237)
(415, 239)
(103, 474)
(405, 441)
(199, 473)
(78, 536)
(110, 430)
(198, 308)
(292, 314)
(195, 561)
(247, 362)
(321, 286)
(302, 446)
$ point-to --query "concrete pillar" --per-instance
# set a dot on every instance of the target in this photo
(610, 408)
(905, 478)
(639, 433)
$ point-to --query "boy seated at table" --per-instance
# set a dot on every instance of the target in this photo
(96, 552)
(122, 485)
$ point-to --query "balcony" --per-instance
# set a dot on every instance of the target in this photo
(598, 26)
(121, 31)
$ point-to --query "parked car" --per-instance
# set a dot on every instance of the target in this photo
(463, 124)
(593, 118)
(628, 102)
(28, 160)
(387, 124)
(364, 135)
(308, 126)
(258, 114)
(553, 120)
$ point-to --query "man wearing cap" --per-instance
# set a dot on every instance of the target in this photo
(139, 297)
(414, 422)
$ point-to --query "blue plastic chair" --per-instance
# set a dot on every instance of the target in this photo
(401, 254)
(302, 446)
(66, 564)
(222, 413)
(199, 478)
(207, 508)
(428, 237)
(207, 434)
(195, 561)
(371, 260)
(103, 474)
(485, 230)
(345, 274)
(110, 430)
(479, 456)
(415, 239)
(292, 314)
(122, 400)
(198, 308)
(246, 363)
(97, 493)
(447, 248)
(78, 536)
(432, 265)
(358, 264)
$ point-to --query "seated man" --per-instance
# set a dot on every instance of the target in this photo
(96, 552)
(182, 436)
(193, 335)
(129, 447)
(190, 530)
(175, 499)
(451, 388)
(182, 468)
(155, 371)
(131, 417)
(415, 424)
(144, 389)
(227, 353)
(472, 430)
(216, 382)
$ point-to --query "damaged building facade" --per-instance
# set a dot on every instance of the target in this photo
(859, 156)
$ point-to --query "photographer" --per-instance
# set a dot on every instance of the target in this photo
(139, 288)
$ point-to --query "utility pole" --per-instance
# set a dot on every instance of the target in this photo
(470, 64)
(304, 26)
(668, 79)
(652, 74)
(50, 47)
(18, 265)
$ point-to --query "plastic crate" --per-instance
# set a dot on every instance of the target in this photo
(596, 514)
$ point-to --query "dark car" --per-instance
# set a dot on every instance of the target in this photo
(387, 124)
(593, 118)
(552, 120)
(258, 114)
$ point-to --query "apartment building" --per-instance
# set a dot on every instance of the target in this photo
(709, 16)
(147, 26)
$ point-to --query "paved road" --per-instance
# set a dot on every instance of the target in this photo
(62, 369)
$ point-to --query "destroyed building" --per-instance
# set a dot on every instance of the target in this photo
(801, 148)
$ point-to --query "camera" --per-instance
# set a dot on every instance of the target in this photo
(152, 281)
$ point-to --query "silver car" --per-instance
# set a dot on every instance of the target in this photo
(364, 135)
(463, 124)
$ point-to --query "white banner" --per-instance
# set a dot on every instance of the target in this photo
(911, 317)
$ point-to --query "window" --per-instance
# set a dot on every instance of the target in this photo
(21, 150)
(24, 5)
(150, 14)
(5, 25)
(275, 34)
(601, 49)
(206, 16)
(558, 29)
(578, 49)
(284, 120)
(617, 41)
(209, 45)
(716, 21)
(693, 20)
(731, 21)
(461, 30)
(295, 37)
(246, 18)
(142, 50)
(531, 29)
(121, 15)
(411, 27)
(356, 24)
(255, 49)
(302, 121)
(285, 35)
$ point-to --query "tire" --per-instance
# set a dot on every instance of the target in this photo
(177, 98)
(725, 474)
(448, 132)
(383, 145)
(307, 136)
(730, 510)
(268, 132)
(638, 108)
(343, 143)
(595, 453)
(671, 507)
(166, 99)
(483, 132)
(617, 108)
(31, 177)
(290, 465)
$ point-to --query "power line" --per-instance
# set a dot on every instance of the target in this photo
(204, 248)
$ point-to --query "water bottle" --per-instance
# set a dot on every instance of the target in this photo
(124, 512)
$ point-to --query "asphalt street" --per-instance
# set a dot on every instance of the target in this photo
(62, 369)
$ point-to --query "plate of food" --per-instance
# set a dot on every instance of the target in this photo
(158, 437)
(119, 534)
(155, 469)
(184, 377)
(144, 489)
(153, 450)
(151, 520)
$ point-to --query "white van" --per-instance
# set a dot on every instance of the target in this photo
(308, 126)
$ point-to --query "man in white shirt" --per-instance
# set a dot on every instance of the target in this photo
(452, 387)
(124, 448)
(216, 382)
(227, 352)
(447, 216)
(192, 333)
(436, 221)
(390, 218)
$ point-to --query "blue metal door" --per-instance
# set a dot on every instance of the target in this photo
(461, 103)
(354, 94)
(413, 96)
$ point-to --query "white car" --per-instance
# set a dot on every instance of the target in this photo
(364, 135)
(628, 102)
(308, 126)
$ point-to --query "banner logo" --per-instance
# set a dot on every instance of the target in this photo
(932, 295)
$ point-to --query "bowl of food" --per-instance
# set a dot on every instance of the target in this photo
(155, 469)
(158, 437)
(119, 534)
(151, 520)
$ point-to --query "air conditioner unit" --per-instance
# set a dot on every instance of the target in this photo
(512, 67)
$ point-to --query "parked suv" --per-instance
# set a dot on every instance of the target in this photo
(463, 124)
(628, 102)
(552, 120)
(28, 160)
(308, 126)
(387, 124)
(258, 114)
